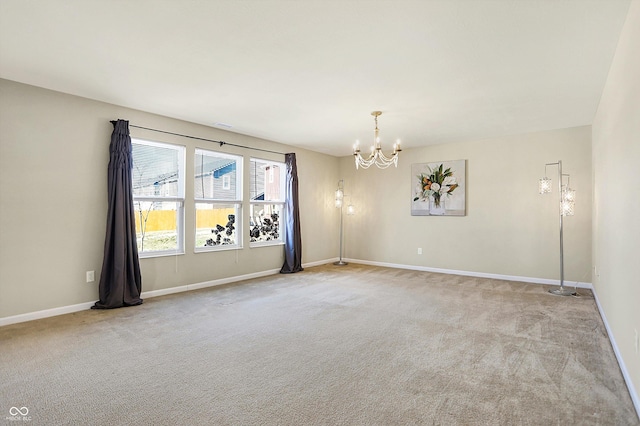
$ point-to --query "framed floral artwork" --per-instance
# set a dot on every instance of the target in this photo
(438, 189)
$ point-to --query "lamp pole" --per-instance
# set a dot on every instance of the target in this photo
(340, 200)
(562, 290)
(341, 262)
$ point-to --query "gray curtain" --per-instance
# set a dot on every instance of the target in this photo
(120, 280)
(293, 242)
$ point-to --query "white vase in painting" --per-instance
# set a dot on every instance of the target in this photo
(436, 210)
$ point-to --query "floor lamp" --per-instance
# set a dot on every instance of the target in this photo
(339, 204)
(566, 208)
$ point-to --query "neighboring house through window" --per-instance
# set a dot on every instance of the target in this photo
(158, 197)
(218, 200)
(267, 202)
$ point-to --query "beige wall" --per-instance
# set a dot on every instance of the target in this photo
(616, 207)
(54, 155)
(509, 228)
(54, 151)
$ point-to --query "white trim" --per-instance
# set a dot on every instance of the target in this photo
(623, 368)
(532, 280)
(205, 284)
(258, 244)
(319, 262)
(46, 313)
(30, 316)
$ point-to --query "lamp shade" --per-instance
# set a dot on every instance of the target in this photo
(567, 208)
(568, 194)
(544, 185)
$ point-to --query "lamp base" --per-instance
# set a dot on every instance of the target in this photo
(562, 291)
(340, 263)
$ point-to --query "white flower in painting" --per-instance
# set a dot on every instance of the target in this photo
(449, 180)
(435, 186)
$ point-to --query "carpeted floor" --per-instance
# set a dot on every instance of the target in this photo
(354, 345)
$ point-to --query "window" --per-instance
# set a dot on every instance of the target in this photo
(267, 202)
(158, 197)
(218, 200)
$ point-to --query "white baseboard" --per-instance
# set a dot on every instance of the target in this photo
(46, 313)
(623, 368)
(205, 284)
(30, 316)
(320, 262)
(474, 274)
(222, 281)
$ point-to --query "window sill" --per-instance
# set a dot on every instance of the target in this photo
(266, 244)
(210, 249)
(152, 254)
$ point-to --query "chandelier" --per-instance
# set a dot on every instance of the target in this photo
(376, 157)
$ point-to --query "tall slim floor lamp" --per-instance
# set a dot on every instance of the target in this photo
(339, 204)
(566, 208)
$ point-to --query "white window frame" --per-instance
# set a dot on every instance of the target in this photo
(158, 198)
(237, 202)
(281, 202)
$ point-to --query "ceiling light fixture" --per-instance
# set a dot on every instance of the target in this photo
(376, 157)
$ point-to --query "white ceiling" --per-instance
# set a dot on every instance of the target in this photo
(308, 73)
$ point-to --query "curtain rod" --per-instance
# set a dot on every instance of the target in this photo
(207, 140)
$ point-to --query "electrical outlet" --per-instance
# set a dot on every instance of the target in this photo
(419, 250)
(91, 276)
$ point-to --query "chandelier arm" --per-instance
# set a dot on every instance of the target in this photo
(385, 158)
(379, 164)
(365, 164)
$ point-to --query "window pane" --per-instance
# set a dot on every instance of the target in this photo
(216, 224)
(265, 222)
(155, 170)
(156, 225)
(216, 176)
(266, 180)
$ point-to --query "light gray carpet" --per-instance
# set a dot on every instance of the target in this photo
(354, 345)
